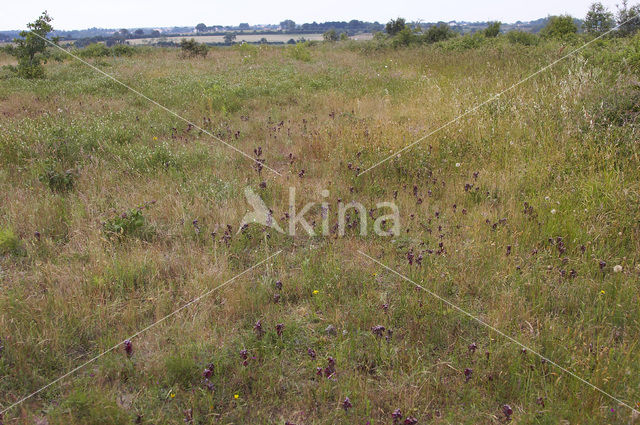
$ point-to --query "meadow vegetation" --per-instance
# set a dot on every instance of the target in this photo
(526, 214)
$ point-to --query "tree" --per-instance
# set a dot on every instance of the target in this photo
(344, 36)
(598, 19)
(625, 14)
(330, 36)
(31, 49)
(229, 37)
(139, 32)
(288, 25)
(155, 33)
(201, 27)
(493, 29)
(394, 26)
(559, 27)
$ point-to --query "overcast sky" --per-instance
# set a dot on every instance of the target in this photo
(76, 14)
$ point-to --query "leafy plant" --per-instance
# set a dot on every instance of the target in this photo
(437, 33)
(330, 36)
(10, 243)
(299, 51)
(394, 26)
(492, 30)
(129, 223)
(521, 37)
(598, 19)
(56, 180)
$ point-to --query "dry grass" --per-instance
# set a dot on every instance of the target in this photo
(74, 291)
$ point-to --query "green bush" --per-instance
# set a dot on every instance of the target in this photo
(299, 51)
(123, 50)
(191, 48)
(58, 181)
(10, 244)
(492, 30)
(404, 37)
(94, 50)
(437, 33)
(524, 38)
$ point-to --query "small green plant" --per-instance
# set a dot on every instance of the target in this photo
(58, 181)
(191, 48)
(299, 51)
(181, 370)
(31, 49)
(129, 223)
(10, 243)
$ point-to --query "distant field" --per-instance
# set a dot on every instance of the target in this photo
(249, 38)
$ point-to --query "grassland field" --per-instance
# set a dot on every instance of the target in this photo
(113, 214)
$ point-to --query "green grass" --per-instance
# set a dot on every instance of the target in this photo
(555, 158)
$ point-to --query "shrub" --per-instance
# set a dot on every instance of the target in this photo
(492, 30)
(521, 37)
(394, 26)
(330, 36)
(300, 52)
(405, 37)
(559, 27)
(439, 32)
(56, 180)
(191, 48)
(10, 243)
(94, 50)
(123, 50)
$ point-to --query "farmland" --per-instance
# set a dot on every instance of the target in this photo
(525, 214)
(249, 38)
